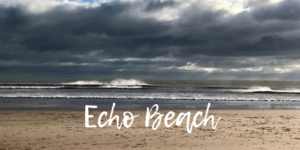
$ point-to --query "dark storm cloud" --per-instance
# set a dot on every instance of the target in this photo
(157, 5)
(130, 39)
(287, 10)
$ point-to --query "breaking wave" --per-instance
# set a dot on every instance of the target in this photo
(127, 82)
(30, 87)
(265, 89)
(84, 83)
(113, 82)
(117, 83)
(160, 96)
(122, 86)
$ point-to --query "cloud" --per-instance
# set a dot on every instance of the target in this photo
(287, 10)
(151, 38)
(157, 5)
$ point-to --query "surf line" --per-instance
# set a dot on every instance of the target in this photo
(128, 118)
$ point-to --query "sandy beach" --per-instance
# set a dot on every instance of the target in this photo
(238, 129)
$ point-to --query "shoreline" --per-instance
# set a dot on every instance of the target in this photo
(237, 129)
(134, 104)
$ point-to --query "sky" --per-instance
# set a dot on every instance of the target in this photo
(156, 39)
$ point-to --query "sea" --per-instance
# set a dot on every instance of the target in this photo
(137, 94)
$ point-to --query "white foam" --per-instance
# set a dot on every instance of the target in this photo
(267, 89)
(158, 96)
(122, 87)
(117, 83)
(127, 82)
(83, 83)
(256, 89)
(30, 87)
(289, 91)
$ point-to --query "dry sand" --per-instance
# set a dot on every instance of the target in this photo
(238, 129)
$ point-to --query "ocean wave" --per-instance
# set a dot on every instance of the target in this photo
(265, 89)
(83, 83)
(121, 87)
(114, 84)
(117, 83)
(30, 87)
(127, 82)
(157, 96)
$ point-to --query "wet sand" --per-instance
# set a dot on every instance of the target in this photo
(238, 129)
